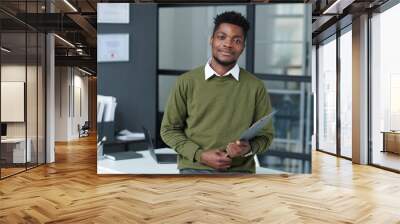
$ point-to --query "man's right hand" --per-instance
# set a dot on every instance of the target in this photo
(216, 158)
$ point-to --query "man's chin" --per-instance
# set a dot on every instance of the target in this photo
(225, 62)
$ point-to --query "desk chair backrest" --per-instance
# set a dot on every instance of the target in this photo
(85, 126)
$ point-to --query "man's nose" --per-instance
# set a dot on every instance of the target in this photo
(227, 42)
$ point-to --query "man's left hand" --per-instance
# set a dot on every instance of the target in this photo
(238, 148)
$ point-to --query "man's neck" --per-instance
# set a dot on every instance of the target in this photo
(220, 69)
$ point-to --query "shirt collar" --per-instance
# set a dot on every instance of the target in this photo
(209, 72)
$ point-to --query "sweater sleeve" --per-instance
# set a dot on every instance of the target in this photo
(263, 140)
(174, 121)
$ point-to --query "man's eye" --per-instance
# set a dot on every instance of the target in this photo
(220, 37)
(238, 41)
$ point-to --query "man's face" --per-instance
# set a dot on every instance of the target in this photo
(227, 43)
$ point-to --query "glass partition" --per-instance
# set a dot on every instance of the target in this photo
(22, 88)
(185, 35)
(14, 153)
(41, 111)
(327, 96)
(165, 84)
(31, 99)
(281, 42)
(285, 41)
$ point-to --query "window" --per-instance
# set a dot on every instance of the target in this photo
(279, 33)
(327, 96)
(184, 35)
(385, 87)
(346, 93)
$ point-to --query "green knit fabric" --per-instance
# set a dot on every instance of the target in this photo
(207, 114)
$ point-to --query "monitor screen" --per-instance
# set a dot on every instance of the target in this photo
(3, 129)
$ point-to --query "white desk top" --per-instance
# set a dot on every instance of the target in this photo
(13, 140)
(147, 165)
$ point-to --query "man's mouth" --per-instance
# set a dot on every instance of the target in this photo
(226, 53)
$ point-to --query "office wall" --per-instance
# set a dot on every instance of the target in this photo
(133, 83)
(61, 103)
(92, 98)
(71, 102)
(80, 104)
(15, 72)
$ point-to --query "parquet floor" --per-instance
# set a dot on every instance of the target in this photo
(387, 159)
(70, 191)
(9, 171)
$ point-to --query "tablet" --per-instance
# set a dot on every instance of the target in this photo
(253, 130)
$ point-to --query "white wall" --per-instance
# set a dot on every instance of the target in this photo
(80, 103)
(71, 103)
(61, 103)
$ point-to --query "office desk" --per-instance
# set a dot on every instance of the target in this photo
(125, 143)
(147, 165)
(16, 153)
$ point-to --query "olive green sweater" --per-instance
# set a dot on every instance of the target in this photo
(207, 114)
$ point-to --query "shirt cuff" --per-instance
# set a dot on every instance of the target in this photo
(254, 147)
(197, 155)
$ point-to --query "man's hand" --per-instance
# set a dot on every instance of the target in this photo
(238, 148)
(216, 158)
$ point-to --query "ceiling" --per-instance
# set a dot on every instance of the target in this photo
(76, 25)
(330, 15)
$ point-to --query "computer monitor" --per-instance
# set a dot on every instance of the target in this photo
(3, 129)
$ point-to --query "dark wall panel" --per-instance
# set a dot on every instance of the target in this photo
(133, 83)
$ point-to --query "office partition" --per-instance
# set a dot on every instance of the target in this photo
(22, 63)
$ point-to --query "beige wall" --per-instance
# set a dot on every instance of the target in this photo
(34, 124)
(17, 73)
(71, 102)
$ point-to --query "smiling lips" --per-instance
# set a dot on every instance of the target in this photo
(226, 53)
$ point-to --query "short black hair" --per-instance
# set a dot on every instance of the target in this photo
(232, 17)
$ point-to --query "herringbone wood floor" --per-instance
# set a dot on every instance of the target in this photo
(70, 191)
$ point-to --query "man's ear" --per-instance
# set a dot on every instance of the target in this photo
(211, 39)
(244, 45)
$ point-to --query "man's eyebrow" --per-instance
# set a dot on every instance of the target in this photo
(236, 36)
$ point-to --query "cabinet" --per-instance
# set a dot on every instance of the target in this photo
(391, 142)
(13, 150)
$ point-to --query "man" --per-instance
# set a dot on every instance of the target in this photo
(212, 105)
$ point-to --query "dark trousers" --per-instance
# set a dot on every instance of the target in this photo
(195, 171)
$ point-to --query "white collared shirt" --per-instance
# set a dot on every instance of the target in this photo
(209, 72)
